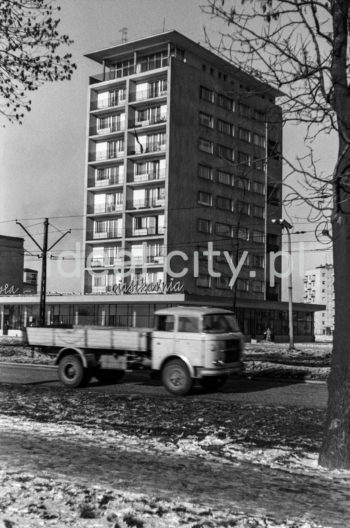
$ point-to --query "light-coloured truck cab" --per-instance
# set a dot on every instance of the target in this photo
(195, 343)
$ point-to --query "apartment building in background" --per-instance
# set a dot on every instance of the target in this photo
(319, 289)
(183, 149)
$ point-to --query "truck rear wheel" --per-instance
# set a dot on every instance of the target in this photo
(213, 382)
(176, 377)
(71, 371)
(108, 375)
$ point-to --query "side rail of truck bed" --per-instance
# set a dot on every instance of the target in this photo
(89, 338)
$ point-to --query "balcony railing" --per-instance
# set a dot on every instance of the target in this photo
(105, 262)
(106, 182)
(153, 147)
(147, 94)
(150, 259)
(114, 128)
(105, 208)
(147, 122)
(146, 176)
(145, 231)
(102, 105)
(103, 156)
(110, 233)
(145, 203)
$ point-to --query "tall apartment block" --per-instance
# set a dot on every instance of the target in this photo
(183, 149)
(319, 288)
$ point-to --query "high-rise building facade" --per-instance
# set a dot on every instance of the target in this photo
(319, 289)
(183, 157)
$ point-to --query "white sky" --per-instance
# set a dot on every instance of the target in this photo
(43, 161)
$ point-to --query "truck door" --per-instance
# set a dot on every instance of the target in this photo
(188, 339)
(163, 343)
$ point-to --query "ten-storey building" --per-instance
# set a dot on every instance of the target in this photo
(183, 149)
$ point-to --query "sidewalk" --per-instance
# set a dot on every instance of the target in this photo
(185, 478)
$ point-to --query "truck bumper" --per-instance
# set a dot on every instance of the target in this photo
(222, 371)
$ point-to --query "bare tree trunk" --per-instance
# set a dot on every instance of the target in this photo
(335, 451)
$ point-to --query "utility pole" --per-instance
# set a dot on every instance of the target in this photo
(44, 250)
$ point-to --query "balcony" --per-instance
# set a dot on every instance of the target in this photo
(106, 182)
(105, 156)
(146, 231)
(146, 203)
(153, 147)
(110, 233)
(146, 176)
(152, 121)
(147, 94)
(150, 259)
(105, 208)
(104, 105)
(113, 129)
(105, 262)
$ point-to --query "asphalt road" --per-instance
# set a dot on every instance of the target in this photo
(260, 392)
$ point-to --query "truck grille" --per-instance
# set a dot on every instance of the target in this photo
(232, 349)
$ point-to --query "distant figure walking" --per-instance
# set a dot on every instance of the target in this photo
(267, 335)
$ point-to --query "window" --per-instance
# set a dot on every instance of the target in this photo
(243, 233)
(206, 146)
(188, 324)
(206, 120)
(244, 134)
(244, 158)
(243, 183)
(224, 203)
(258, 187)
(258, 163)
(205, 172)
(258, 286)
(225, 178)
(258, 211)
(204, 226)
(273, 195)
(165, 323)
(206, 94)
(203, 281)
(243, 208)
(259, 116)
(223, 282)
(225, 127)
(257, 261)
(223, 229)
(244, 111)
(225, 152)
(226, 102)
(259, 141)
(243, 285)
(205, 198)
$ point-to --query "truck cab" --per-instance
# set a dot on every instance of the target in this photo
(190, 343)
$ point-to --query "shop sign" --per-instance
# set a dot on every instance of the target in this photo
(143, 288)
(6, 289)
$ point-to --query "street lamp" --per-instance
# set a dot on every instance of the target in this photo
(284, 224)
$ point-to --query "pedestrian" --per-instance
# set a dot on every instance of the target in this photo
(267, 335)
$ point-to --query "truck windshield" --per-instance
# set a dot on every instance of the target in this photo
(220, 323)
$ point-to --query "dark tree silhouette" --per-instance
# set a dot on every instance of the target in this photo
(29, 53)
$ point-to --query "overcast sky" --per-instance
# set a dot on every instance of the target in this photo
(43, 161)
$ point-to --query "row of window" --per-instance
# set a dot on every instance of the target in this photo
(226, 178)
(227, 204)
(208, 95)
(244, 285)
(243, 158)
(227, 128)
(227, 230)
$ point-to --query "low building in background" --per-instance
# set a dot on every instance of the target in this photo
(319, 289)
(30, 281)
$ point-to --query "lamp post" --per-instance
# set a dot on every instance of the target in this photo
(284, 224)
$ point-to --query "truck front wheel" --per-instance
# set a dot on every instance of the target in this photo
(176, 378)
(71, 371)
